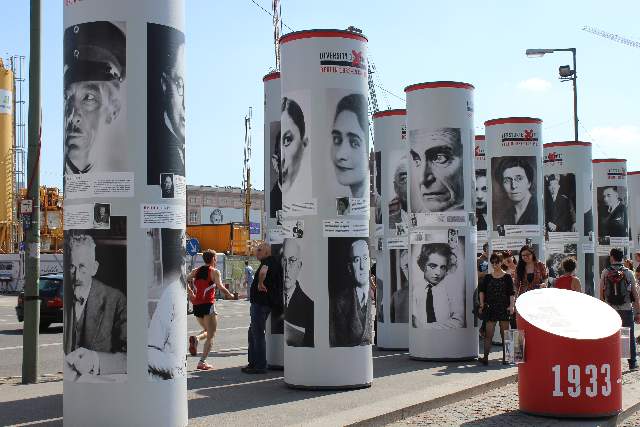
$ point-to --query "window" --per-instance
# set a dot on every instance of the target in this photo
(208, 201)
(193, 200)
(193, 217)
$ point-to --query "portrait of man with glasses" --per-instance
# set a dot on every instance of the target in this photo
(166, 106)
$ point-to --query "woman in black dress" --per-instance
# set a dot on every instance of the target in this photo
(496, 295)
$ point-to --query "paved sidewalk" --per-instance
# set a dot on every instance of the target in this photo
(499, 408)
(226, 396)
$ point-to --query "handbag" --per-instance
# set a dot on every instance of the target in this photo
(483, 315)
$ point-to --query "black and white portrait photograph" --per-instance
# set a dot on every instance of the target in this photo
(397, 175)
(589, 284)
(101, 215)
(438, 297)
(560, 203)
(275, 176)
(482, 194)
(349, 142)
(295, 150)
(298, 229)
(377, 193)
(514, 190)
(379, 294)
(588, 207)
(436, 170)
(399, 269)
(216, 216)
(298, 307)
(95, 97)
(165, 102)
(95, 303)
(350, 308)
(342, 206)
(167, 185)
(277, 314)
(167, 296)
(612, 211)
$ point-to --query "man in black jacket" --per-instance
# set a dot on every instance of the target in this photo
(298, 306)
(265, 294)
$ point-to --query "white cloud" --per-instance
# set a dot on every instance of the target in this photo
(535, 84)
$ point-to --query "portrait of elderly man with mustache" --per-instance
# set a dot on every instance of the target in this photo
(94, 70)
(436, 171)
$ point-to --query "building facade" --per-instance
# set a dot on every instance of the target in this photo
(223, 205)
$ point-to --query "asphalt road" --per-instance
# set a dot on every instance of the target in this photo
(233, 323)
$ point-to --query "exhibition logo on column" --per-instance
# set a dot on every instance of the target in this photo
(343, 62)
(615, 174)
(403, 132)
(553, 158)
(526, 138)
(479, 153)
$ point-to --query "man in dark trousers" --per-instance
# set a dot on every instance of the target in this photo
(559, 213)
(265, 294)
(350, 322)
(298, 315)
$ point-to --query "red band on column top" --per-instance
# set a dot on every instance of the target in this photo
(310, 34)
(271, 76)
(386, 113)
(608, 160)
(514, 120)
(438, 85)
(567, 144)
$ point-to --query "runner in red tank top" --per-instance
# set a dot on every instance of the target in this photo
(205, 280)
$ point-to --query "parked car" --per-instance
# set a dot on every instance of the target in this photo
(51, 297)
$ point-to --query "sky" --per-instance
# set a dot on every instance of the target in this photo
(229, 49)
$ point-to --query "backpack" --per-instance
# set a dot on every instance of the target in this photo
(616, 287)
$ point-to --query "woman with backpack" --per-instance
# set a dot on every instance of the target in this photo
(496, 304)
(203, 296)
(568, 280)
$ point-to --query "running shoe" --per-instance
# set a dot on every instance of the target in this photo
(193, 345)
(204, 366)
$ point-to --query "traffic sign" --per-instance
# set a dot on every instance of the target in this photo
(193, 246)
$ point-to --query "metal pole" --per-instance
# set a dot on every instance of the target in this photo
(575, 96)
(32, 236)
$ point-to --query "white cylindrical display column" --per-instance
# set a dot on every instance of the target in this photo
(633, 181)
(611, 218)
(442, 232)
(329, 314)
(514, 165)
(568, 217)
(482, 188)
(273, 206)
(125, 319)
(393, 264)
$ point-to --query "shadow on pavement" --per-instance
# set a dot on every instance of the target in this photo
(36, 411)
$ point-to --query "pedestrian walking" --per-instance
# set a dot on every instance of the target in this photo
(205, 280)
(496, 304)
(530, 274)
(265, 294)
(248, 277)
(618, 288)
(568, 280)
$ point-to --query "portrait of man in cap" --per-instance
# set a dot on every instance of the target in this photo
(94, 72)
(165, 102)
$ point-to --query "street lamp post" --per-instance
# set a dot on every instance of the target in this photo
(566, 74)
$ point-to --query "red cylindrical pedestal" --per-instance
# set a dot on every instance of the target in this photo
(572, 355)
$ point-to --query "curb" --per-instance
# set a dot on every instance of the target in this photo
(415, 409)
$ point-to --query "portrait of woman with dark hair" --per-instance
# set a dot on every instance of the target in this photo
(515, 179)
(293, 148)
(438, 303)
(349, 147)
